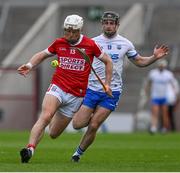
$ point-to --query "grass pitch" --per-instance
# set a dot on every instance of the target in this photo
(139, 152)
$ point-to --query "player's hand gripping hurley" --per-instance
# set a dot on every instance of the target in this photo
(83, 54)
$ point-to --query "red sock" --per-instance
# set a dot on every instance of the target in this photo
(31, 146)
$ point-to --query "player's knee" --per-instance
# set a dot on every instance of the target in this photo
(53, 135)
(93, 126)
(78, 125)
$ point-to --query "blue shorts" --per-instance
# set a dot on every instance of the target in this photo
(95, 98)
(161, 101)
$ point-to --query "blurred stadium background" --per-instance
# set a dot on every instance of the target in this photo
(30, 26)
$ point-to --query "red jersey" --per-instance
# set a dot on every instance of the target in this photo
(72, 73)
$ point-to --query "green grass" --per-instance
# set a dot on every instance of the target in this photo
(139, 152)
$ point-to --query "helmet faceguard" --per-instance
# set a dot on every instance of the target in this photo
(110, 15)
(73, 21)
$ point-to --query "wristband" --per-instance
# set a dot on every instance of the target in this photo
(29, 65)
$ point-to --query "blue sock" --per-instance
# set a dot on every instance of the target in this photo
(78, 152)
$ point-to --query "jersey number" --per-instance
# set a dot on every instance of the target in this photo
(72, 51)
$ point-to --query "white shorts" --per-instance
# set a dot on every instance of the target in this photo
(69, 103)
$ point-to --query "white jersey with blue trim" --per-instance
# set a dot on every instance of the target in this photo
(160, 81)
(116, 48)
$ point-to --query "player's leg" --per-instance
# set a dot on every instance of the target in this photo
(171, 109)
(106, 106)
(96, 120)
(99, 117)
(170, 116)
(57, 125)
(155, 109)
(64, 114)
(165, 118)
(49, 107)
(82, 117)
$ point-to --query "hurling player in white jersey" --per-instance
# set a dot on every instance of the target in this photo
(97, 105)
(158, 82)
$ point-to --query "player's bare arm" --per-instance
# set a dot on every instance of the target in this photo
(108, 69)
(158, 53)
(34, 61)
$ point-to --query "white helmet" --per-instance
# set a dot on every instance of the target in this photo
(73, 21)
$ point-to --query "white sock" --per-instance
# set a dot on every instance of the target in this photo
(154, 129)
(32, 150)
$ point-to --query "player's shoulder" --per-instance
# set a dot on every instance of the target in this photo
(99, 37)
(124, 39)
(59, 40)
(87, 38)
(117, 38)
(153, 72)
(168, 72)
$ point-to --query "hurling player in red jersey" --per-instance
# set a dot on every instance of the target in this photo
(69, 82)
